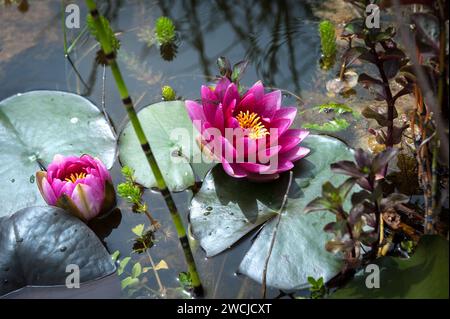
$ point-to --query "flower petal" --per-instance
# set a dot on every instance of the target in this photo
(196, 113)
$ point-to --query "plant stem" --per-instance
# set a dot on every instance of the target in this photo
(389, 100)
(132, 115)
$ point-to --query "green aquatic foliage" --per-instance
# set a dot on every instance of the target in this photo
(168, 93)
(130, 191)
(328, 43)
(114, 42)
(317, 288)
(338, 108)
(185, 280)
(164, 30)
(335, 125)
(424, 275)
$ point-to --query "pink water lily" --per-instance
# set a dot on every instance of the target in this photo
(81, 185)
(249, 133)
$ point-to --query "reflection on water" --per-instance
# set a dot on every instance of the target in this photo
(278, 37)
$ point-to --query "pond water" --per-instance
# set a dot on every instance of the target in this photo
(279, 38)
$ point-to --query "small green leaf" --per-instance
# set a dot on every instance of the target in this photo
(338, 108)
(335, 125)
(136, 270)
(129, 282)
(138, 230)
(115, 255)
(123, 263)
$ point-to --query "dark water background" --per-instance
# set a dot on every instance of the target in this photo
(278, 37)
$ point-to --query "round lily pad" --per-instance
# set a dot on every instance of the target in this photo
(39, 246)
(172, 138)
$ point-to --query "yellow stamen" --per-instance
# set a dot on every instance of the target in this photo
(75, 176)
(252, 122)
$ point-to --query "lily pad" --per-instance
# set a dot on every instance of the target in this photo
(171, 135)
(424, 275)
(226, 209)
(38, 243)
(35, 126)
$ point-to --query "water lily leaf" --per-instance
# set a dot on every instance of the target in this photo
(226, 209)
(171, 135)
(37, 125)
(37, 244)
(424, 275)
(335, 125)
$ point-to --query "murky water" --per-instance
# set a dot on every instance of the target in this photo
(278, 37)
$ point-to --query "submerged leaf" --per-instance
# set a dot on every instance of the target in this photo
(424, 275)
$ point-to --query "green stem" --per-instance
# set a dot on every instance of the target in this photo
(132, 115)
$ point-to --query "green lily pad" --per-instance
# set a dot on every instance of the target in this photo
(226, 209)
(35, 126)
(171, 135)
(424, 275)
(42, 246)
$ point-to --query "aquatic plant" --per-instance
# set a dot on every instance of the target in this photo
(328, 43)
(108, 49)
(164, 30)
(317, 288)
(239, 127)
(132, 193)
(81, 185)
(335, 125)
(363, 224)
(168, 93)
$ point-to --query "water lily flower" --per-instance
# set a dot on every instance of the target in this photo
(81, 185)
(248, 133)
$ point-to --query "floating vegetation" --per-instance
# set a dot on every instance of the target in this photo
(335, 125)
(168, 93)
(164, 30)
(328, 44)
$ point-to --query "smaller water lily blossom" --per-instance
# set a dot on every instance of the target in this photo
(248, 133)
(80, 185)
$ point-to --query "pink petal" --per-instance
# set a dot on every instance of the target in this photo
(258, 92)
(86, 200)
(230, 99)
(286, 113)
(221, 88)
(279, 126)
(48, 193)
(294, 154)
(233, 170)
(271, 102)
(196, 113)
(209, 102)
(247, 103)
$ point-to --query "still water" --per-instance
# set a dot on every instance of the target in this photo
(279, 38)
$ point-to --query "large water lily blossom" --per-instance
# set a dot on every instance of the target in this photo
(248, 133)
(81, 185)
